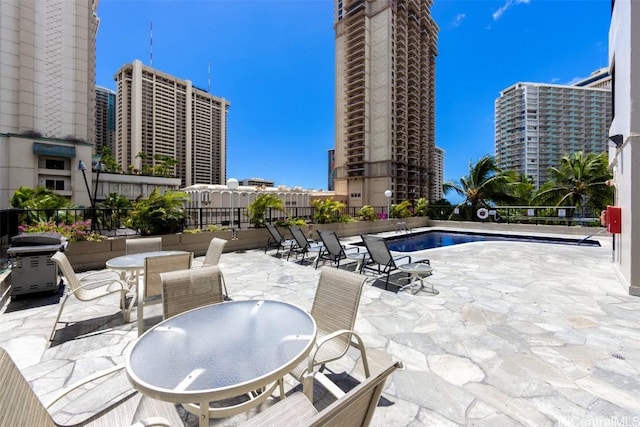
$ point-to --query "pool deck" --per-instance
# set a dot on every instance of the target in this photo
(527, 334)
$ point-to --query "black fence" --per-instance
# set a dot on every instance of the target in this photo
(115, 221)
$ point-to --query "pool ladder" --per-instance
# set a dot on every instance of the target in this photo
(402, 226)
(591, 235)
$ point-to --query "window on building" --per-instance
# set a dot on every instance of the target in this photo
(54, 164)
(54, 184)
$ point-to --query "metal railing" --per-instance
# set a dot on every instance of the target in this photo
(110, 221)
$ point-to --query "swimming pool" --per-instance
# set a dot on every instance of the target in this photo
(435, 239)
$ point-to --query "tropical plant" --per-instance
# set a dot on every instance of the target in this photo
(440, 209)
(401, 210)
(42, 205)
(580, 180)
(109, 162)
(258, 208)
(287, 222)
(485, 184)
(328, 211)
(367, 213)
(75, 232)
(116, 207)
(159, 213)
(421, 207)
(522, 188)
(166, 165)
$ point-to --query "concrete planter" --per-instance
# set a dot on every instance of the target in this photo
(85, 256)
(94, 255)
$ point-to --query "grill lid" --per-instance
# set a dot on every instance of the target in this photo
(38, 239)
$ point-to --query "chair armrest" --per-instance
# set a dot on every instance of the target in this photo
(101, 273)
(124, 285)
(82, 382)
(152, 421)
(358, 344)
(399, 257)
(423, 261)
(350, 248)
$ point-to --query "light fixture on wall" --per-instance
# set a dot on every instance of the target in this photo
(617, 140)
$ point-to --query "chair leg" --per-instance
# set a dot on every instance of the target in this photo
(224, 287)
(53, 331)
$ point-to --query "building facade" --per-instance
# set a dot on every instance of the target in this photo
(159, 114)
(47, 94)
(438, 173)
(624, 66)
(331, 168)
(105, 118)
(536, 124)
(385, 100)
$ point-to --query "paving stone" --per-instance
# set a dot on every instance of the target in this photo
(520, 334)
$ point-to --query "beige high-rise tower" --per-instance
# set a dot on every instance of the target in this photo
(157, 113)
(385, 100)
(47, 95)
(47, 82)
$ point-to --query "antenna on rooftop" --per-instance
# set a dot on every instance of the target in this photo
(151, 43)
(209, 77)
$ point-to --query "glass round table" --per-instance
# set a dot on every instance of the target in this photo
(221, 351)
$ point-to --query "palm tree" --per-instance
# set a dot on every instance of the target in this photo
(485, 184)
(257, 210)
(522, 189)
(580, 180)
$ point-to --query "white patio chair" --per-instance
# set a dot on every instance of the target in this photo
(86, 289)
(150, 287)
(20, 406)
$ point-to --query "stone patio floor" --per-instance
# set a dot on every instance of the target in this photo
(526, 334)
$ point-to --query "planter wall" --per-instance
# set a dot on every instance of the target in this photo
(94, 255)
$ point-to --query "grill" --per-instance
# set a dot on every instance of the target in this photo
(32, 269)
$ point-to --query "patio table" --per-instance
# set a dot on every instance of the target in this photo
(417, 271)
(131, 268)
(134, 263)
(221, 351)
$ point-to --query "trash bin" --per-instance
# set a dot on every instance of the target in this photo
(32, 269)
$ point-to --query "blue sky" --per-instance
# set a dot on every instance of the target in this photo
(274, 61)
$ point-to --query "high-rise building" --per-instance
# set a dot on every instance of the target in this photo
(385, 99)
(536, 124)
(159, 114)
(331, 168)
(47, 52)
(438, 173)
(47, 95)
(105, 118)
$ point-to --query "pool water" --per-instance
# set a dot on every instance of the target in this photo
(435, 239)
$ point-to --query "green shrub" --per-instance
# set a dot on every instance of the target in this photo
(328, 211)
(421, 207)
(159, 213)
(367, 213)
(401, 210)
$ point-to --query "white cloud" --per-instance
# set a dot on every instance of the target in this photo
(508, 3)
(458, 19)
(575, 80)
